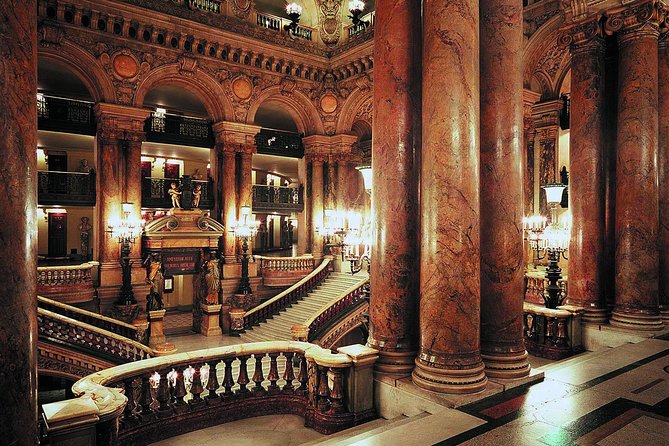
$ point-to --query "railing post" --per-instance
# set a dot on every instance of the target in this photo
(360, 380)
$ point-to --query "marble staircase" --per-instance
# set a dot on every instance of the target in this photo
(278, 327)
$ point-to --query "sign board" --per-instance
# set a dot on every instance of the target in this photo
(179, 262)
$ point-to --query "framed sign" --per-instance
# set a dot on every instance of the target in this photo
(182, 261)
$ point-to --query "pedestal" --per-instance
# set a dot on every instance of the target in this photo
(156, 325)
(236, 321)
(360, 389)
(125, 313)
(244, 301)
(210, 325)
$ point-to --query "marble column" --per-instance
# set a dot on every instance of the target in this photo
(663, 174)
(133, 180)
(109, 171)
(396, 129)
(317, 204)
(229, 217)
(246, 183)
(450, 359)
(547, 124)
(502, 270)
(342, 177)
(587, 247)
(637, 209)
(18, 232)
(529, 133)
(330, 184)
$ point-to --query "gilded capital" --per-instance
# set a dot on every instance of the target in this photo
(641, 18)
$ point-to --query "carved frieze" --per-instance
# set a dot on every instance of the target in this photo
(650, 14)
(242, 8)
(329, 21)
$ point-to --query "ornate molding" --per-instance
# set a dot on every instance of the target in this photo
(646, 16)
(583, 34)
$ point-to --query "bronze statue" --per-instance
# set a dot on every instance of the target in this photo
(154, 277)
(85, 236)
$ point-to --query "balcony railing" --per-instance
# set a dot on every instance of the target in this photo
(277, 142)
(367, 22)
(65, 115)
(277, 23)
(284, 271)
(155, 192)
(213, 6)
(277, 198)
(65, 188)
(174, 129)
(69, 284)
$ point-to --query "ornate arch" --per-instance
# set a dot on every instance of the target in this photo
(300, 108)
(545, 59)
(83, 65)
(206, 88)
(358, 107)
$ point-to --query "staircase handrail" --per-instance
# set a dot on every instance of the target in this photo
(72, 332)
(348, 299)
(286, 263)
(95, 319)
(291, 295)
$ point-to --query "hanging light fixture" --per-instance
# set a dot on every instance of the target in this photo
(366, 172)
(356, 7)
(294, 12)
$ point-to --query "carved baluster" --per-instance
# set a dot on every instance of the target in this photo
(303, 375)
(196, 388)
(289, 373)
(212, 384)
(228, 381)
(323, 391)
(129, 411)
(163, 393)
(562, 337)
(337, 393)
(273, 374)
(179, 387)
(243, 378)
(258, 377)
(145, 399)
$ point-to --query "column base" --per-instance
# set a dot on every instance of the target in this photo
(449, 380)
(506, 365)
(636, 321)
(597, 316)
(396, 364)
(664, 314)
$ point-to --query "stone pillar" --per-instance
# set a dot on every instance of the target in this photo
(547, 124)
(229, 217)
(396, 129)
(502, 270)
(663, 174)
(18, 232)
(304, 217)
(317, 207)
(246, 183)
(450, 358)
(342, 176)
(529, 132)
(587, 256)
(133, 180)
(109, 190)
(637, 209)
(330, 192)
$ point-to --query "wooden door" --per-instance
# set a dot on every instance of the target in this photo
(57, 234)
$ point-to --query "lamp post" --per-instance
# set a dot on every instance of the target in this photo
(125, 230)
(356, 7)
(245, 230)
(554, 198)
(294, 12)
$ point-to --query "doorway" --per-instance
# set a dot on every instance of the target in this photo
(57, 234)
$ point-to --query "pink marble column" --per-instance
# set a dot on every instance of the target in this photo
(587, 248)
(229, 181)
(663, 174)
(246, 183)
(18, 232)
(133, 181)
(637, 210)
(450, 357)
(342, 176)
(396, 129)
(317, 203)
(109, 193)
(502, 270)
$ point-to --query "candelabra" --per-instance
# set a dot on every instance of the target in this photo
(125, 231)
(356, 7)
(245, 230)
(294, 12)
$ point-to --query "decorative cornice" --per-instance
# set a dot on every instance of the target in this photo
(645, 17)
(583, 34)
(120, 121)
(235, 136)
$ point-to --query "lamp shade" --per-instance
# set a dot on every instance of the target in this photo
(293, 8)
(554, 192)
(366, 172)
(356, 5)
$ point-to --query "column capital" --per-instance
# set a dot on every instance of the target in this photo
(547, 114)
(641, 18)
(120, 121)
(584, 35)
(334, 145)
(529, 99)
(236, 136)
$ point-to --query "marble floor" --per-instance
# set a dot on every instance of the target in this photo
(616, 396)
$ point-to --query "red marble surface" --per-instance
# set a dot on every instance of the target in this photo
(18, 231)
(502, 269)
(246, 185)
(394, 269)
(109, 193)
(133, 182)
(587, 256)
(637, 210)
(663, 169)
(316, 207)
(229, 182)
(449, 358)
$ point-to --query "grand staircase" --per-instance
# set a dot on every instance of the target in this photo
(278, 327)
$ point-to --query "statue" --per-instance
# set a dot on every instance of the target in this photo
(212, 280)
(197, 175)
(85, 236)
(154, 277)
(175, 193)
(197, 193)
(84, 167)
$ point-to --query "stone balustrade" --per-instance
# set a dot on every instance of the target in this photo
(536, 283)
(284, 271)
(162, 397)
(553, 334)
(70, 284)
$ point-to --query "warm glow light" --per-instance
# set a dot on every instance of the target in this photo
(127, 208)
(554, 192)
(366, 172)
(554, 238)
(534, 223)
(160, 112)
(293, 8)
(356, 5)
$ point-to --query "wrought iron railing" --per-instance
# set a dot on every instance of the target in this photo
(213, 6)
(174, 129)
(278, 142)
(367, 22)
(272, 198)
(65, 115)
(65, 188)
(275, 23)
(155, 192)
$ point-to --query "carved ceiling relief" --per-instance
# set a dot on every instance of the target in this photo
(242, 8)
(124, 68)
(328, 98)
(329, 21)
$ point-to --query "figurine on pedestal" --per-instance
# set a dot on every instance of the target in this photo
(197, 193)
(175, 194)
(213, 280)
(84, 167)
(85, 236)
(154, 277)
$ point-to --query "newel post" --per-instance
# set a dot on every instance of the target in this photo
(360, 381)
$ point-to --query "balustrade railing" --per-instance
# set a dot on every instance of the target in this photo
(536, 283)
(282, 300)
(284, 271)
(275, 23)
(166, 396)
(175, 129)
(367, 22)
(65, 188)
(213, 6)
(278, 198)
(71, 332)
(155, 192)
(552, 333)
(71, 284)
(278, 142)
(65, 115)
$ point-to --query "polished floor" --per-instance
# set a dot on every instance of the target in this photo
(616, 396)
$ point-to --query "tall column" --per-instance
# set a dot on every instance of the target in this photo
(547, 124)
(637, 209)
(18, 232)
(342, 177)
(246, 182)
(663, 174)
(330, 192)
(109, 193)
(396, 129)
(587, 248)
(529, 99)
(450, 357)
(133, 180)
(317, 206)
(502, 270)
(229, 218)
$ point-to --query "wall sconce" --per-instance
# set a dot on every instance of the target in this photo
(294, 12)
(554, 197)
(356, 7)
(366, 172)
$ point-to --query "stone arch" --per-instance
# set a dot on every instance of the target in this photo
(203, 86)
(84, 66)
(354, 109)
(545, 60)
(300, 108)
